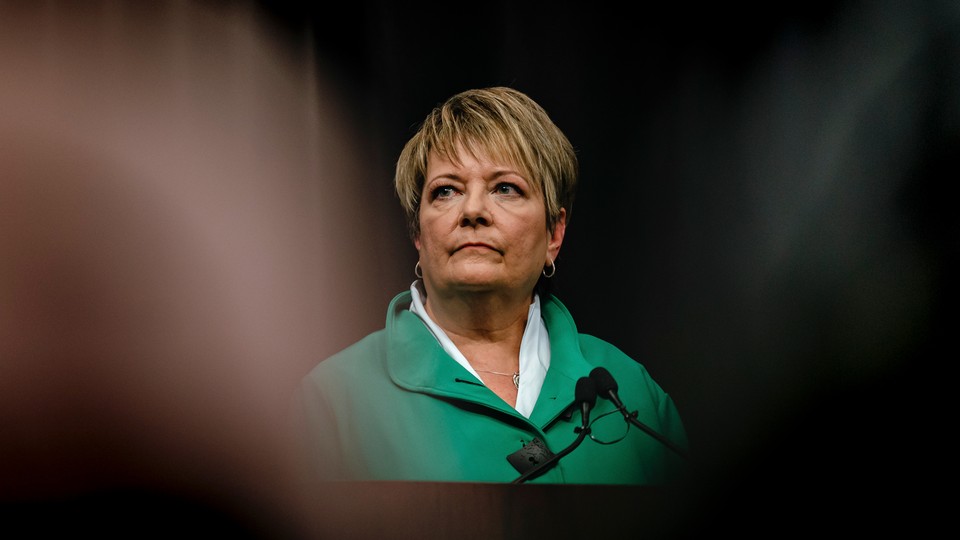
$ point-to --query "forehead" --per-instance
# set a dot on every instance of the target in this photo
(474, 157)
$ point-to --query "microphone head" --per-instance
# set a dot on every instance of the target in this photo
(586, 391)
(603, 380)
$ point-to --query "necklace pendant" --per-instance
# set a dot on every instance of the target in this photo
(516, 379)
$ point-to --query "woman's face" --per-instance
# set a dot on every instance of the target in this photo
(482, 228)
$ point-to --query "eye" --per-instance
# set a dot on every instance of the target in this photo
(442, 192)
(505, 188)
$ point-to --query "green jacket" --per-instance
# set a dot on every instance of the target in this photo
(395, 406)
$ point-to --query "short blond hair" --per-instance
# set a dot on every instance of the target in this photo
(499, 122)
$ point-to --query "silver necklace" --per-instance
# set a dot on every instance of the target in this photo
(515, 375)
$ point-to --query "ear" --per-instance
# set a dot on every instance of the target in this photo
(555, 238)
(416, 242)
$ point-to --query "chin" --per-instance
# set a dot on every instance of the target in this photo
(477, 281)
(478, 284)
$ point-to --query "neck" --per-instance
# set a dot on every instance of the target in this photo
(481, 319)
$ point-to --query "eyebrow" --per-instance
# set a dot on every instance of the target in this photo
(496, 175)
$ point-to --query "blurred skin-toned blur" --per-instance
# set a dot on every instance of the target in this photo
(162, 241)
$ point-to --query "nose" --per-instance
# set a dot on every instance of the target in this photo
(474, 210)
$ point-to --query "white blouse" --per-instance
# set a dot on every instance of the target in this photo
(534, 350)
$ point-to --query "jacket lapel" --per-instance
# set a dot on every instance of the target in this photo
(567, 364)
(417, 362)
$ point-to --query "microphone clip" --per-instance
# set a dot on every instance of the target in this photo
(530, 456)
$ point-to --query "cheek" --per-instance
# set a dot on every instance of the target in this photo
(428, 242)
(534, 234)
(434, 226)
(425, 233)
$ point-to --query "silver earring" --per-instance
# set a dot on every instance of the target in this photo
(553, 270)
(417, 271)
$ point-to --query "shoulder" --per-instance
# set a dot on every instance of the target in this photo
(652, 405)
(365, 353)
(603, 353)
(356, 359)
(597, 351)
(593, 344)
(361, 346)
(559, 318)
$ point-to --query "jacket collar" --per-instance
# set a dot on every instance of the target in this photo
(567, 363)
(417, 362)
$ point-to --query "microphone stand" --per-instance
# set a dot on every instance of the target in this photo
(586, 395)
(607, 387)
(632, 418)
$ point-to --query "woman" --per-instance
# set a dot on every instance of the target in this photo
(473, 378)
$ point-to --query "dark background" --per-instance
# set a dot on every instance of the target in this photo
(762, 218)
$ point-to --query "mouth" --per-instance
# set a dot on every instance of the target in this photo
(477, 246)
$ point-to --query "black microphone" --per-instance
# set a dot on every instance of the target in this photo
(607, 388)
(585, 394)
